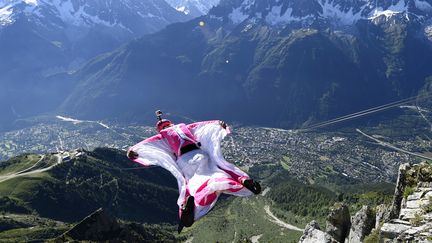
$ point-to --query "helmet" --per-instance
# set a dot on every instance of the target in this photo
(162, 124)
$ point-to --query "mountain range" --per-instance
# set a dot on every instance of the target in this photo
(75, 30)
(193, 7)
(298, 61)
(338, 12)
(40, 38)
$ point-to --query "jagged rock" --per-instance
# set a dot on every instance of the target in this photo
(413, 223)
(399, 190)
(407, 214)
(313, 234)
(413, 204)
(407, 220)
(415, 196)
(391, 231)
(425, 184)
(381, 214)
(403, 203)
(338, 222)
(425, 173)
(428, 217)
(416, 234)
(98, 226)
(399, 221)
(362, 224)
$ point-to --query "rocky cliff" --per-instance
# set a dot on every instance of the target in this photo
(407, 219)
(410, 218)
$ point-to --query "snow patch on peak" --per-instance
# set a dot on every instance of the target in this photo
(398, 8)
(240, 13)
(31, 2)
(387, 13)
(334, 11)
(401, 6)
(77, 15)
(237, 16)
(275, 16)
(186, 6)
(6, 15)
(183, 9)
(428, 32)
(423, 5)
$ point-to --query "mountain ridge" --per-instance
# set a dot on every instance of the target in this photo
(42, 39)
(244, 70)
(193, 7)
(341, 11)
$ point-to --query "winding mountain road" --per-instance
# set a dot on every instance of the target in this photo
(28, 171)
(279, 222)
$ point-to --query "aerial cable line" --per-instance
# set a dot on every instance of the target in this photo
(366, 112)
(363, 111)
(354, 115)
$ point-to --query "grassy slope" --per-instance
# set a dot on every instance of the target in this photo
(70, 189)
(74, 189)
(18, 164)
(32, 234)
(237, 220)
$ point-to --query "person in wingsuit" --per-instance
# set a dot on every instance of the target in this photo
(192, 153)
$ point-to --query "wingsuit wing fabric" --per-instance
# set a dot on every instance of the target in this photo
(202, 173)
(211, 134)
(156, 151)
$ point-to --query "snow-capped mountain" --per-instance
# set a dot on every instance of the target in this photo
(339, 12)
(83, 29)
(135, 16)
(41, 38)
(193, 7)
(299, 60)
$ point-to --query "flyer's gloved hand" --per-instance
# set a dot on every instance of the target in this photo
(132, 154)
(252, 185)
(223, 124)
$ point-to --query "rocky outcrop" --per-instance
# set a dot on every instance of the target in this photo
(411, 216)
(98, 226)
(362, 224)
(313, 234)
(337, 227)
(399, 191)
(338, 222)
(101, 227)
(407, 219)
(382, 212)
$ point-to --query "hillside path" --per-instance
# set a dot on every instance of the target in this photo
(25, 173)
(279, 222)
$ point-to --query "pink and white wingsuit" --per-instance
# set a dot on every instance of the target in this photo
(202, 173)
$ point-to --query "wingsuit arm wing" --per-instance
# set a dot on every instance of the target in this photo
(156, 151)
(210, 134)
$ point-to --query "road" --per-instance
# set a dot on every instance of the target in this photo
(279, 222)
(391, 146)
(28, 171)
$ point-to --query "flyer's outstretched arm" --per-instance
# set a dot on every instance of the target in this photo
(156, 151)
